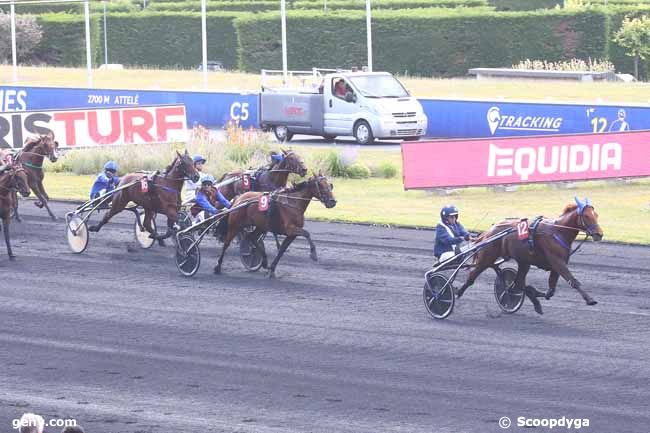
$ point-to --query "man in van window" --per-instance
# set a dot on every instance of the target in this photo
(340, 89)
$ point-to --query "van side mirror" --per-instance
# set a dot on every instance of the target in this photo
(350, 97)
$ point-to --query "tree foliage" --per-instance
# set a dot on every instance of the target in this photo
(28, 36)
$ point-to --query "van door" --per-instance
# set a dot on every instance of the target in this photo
(340, 108)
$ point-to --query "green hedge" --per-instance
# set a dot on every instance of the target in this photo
(524, 5)
(169, 40)
(73, 8)
(422, 42)
(265, 5)
(63, 42)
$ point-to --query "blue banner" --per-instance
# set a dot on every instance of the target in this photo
(212, 110)
(484, 119)
(447, 118)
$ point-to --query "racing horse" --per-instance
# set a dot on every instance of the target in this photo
(13, 179)
(266, 179)
(155, 193)
(31, 157)
(286, 216)
(549, 248)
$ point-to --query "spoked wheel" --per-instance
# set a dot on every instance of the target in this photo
(509, 298)
(77, 233)
(142, 236)
(188, 256)
(184, 220)
(438, 296)
(250, 254)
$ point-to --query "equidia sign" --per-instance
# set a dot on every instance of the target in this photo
(521, 160)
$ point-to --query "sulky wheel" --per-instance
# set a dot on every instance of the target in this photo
(438, 296)
(250, 254)
(77, 233)
(188, 256)
(142, 236)
(184, 220)
(509, 298)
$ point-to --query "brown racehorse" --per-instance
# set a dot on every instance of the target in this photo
(163, 195)
(266, 179)
(551, 251)
(31, 157)
(288, 217)
(14, 178)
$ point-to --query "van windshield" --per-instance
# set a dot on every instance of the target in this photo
(379, 86)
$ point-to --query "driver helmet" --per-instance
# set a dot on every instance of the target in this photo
(198, 158)
(208, 180)
(111, 166)
(448, 211)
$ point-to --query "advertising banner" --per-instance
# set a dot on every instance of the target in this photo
(482, 119)
(96, 127)
(516, 160)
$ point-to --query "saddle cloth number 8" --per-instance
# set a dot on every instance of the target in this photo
(263, 204)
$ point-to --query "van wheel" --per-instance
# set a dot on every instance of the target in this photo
(363, 133)
(282, 133)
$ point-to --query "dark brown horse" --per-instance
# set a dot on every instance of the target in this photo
(266, 179)
(13, 179)
(285, 216)
(552, 239)
(31, 157)
(163, 194)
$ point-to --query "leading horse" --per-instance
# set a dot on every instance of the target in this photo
(549, 249)
(13, 179)
(288, 217)
(31, 158)
(156, 194)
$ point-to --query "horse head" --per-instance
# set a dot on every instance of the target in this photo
(321, 188)
(19, 180)
(588, 219)
(293, 163)
(44, 145)
(185, 165)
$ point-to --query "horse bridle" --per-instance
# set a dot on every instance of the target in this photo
(12, 174)
(49, 154)
(588, 229)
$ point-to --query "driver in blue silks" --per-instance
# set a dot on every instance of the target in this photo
(208, 197)
(449, 233)
(105, 181)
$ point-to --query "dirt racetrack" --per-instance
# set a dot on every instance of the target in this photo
(121, 342)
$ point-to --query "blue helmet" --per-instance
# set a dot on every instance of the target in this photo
(447, 211)
(208, 179)
(111, 166)
(198, 158)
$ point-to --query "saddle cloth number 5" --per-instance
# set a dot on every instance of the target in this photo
(522, 229)
(263, 204)
(246, 182)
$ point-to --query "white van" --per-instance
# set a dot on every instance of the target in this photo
(366, 105)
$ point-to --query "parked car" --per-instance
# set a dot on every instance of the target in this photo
(213, 65)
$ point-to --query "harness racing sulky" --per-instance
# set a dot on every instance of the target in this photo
(545, 243)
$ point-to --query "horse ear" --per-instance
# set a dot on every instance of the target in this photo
(581, 204)
(588, 202)
(320, 172)
(50, 134)
(284, 152)
(177, 153)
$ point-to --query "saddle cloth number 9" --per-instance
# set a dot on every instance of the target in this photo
(246, 182)
(263, 204)
(522, 229)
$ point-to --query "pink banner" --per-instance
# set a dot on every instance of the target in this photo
(430, 164)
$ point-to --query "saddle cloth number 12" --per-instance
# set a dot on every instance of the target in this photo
(263, 205)
(522, 230)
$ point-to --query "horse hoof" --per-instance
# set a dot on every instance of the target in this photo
(93, 228)
(271, 275)
(217, 270)
(53, 218)
(38, 204)
(313, 256)
(549, 295)
(161, 242)
(538, 308)
(591, 302)
(12, 257)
